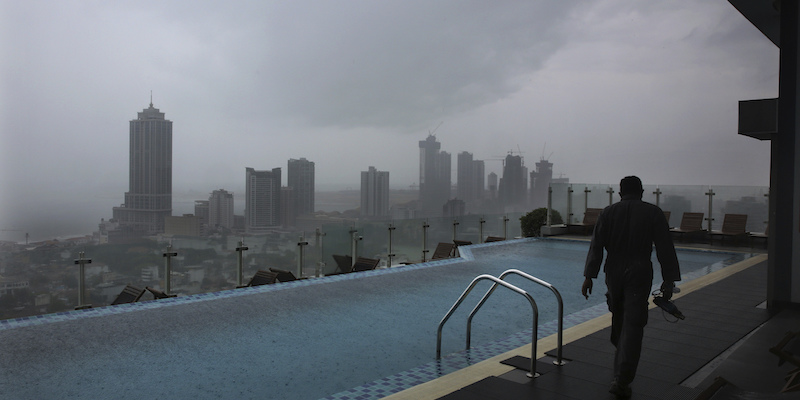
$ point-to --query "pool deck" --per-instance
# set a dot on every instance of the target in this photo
(727, 332)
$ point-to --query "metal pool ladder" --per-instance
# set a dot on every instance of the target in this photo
(498, 281)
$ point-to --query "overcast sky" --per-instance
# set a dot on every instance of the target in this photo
(603, 88)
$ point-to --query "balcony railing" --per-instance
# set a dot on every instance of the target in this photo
(47, 279)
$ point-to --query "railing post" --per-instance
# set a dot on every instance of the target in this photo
(168, 269)
(425, 227)
(610, 192)
(390, 256)
(710, 218)
(505, 227)
(549, 206)
(480, 230)
(353, 245)
(569, 204)
(319, 235)
(455, 225)
(586, 192)
(300, 252)
(658, 196)
(240, 267)
(81, 261)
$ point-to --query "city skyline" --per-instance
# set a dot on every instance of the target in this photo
(609, 88)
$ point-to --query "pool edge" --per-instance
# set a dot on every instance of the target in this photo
(449, 383)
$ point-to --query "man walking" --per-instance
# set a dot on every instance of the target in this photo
(627, 230)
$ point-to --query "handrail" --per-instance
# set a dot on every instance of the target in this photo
(559, 359)
(497, 281)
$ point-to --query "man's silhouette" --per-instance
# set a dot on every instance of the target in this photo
(627, 230)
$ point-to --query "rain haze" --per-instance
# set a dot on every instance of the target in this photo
(602, 89)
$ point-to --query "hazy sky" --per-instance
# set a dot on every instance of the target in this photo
(613, 87)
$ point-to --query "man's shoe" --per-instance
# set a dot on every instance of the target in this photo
(620, 390)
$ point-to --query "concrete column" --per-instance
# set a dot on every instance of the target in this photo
(784, 199)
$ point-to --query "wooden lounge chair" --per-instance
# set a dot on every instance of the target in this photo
(589, 220)
(365, 264)
(734, 225)
(157, 294)
(490, 239)
(262, 277)
(460, 243)
(283, 275)
(444, 250)
(130, 294)
(691, 223)
(344, 264)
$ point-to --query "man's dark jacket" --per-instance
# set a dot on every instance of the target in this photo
(646, 225)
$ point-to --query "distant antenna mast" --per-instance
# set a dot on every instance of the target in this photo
(151, 98)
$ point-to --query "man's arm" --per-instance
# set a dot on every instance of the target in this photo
(594, 259)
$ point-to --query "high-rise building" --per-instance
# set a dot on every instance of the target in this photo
(220, 209)
(514, 184)
(374, 193)
(201, 212)
(288, 214)
(540, 182)
(262, 200)
(492, 185)
(434, 177)
(148, 200)
(300, 177)
(469, 179)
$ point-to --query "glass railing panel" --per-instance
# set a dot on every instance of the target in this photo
(752, 201)
(407, 240)
(337, 240)
(560, 195)
(469, 228)
(374, 239)
(440, 231)
(679, 199)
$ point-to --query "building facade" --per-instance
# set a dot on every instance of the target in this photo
(470, 182)
(300, 177)
(220, 209)
(513, 190)
(262, 200)
(148, 200)
(434, 177)
(374, 193)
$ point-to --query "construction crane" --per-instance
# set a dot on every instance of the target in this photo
(434, 129)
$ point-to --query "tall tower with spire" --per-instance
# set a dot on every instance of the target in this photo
(148, 200)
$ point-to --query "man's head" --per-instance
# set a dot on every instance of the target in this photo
(631, 186)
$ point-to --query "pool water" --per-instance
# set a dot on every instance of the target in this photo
(300, 340)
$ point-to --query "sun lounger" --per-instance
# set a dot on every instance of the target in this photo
(130, 294)
(460, 243)
(734, 225)
(494, 239)
(691, 223)
(365, 264)
(157, 294)
(443, 250)
(589, 220)
(344, 264)
(283, 275)
(262, 277)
